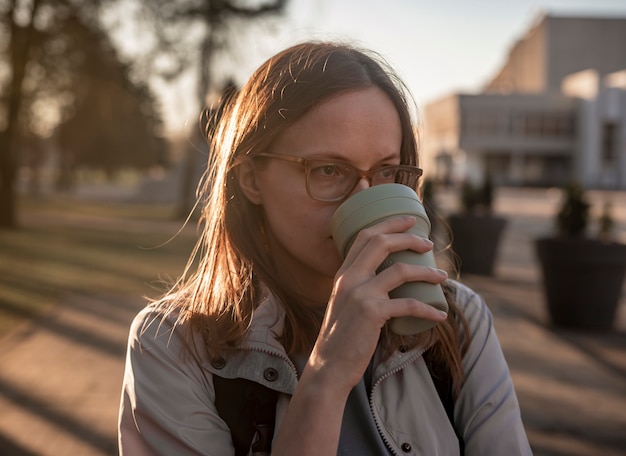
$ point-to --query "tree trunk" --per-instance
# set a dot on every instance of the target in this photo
(20, 40)
(7, 182)
(188, 182)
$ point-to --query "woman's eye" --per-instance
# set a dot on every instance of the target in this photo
(326, 170)
(388, 173)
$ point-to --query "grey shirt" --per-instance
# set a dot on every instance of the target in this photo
(358, 429)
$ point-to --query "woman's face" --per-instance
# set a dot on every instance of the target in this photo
(359, 127)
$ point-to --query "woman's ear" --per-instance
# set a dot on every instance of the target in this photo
(247, 178)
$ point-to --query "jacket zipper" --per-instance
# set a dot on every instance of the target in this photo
(378, 382)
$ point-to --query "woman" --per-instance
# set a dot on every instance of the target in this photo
(270, 299)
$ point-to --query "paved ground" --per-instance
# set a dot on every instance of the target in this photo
(571, 385)
(60, 376)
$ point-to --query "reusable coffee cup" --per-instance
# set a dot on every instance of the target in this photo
(378, 203)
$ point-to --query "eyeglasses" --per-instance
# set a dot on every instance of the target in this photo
(331, 180)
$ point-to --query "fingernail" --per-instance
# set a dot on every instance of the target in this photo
(442, 272)
(429, 242)
(443, 314)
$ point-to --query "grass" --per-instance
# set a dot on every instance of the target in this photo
(64, 246)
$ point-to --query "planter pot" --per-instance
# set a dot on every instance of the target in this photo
(475, 239)
(583, 281)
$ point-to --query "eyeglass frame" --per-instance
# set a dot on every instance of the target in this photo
(360, 173)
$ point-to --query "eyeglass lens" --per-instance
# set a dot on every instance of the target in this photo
(329, 181)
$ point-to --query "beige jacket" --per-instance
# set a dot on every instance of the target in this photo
(167, 405)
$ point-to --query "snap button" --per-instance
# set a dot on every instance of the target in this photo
(270, 374)
(406, 447)
(218, 363)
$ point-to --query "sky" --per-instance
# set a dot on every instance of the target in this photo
(437, 46)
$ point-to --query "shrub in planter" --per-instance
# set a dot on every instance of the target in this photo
(476, 231)
(430, 205)
(582, 276)
(439, 231)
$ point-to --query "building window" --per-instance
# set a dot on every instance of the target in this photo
(609, 133)
(485, 122)
(488, 122)
(549, 124)
(558, 124)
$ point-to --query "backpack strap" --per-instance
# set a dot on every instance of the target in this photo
(249, 409)
(442, 378)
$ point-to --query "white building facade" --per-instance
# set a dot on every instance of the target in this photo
(555, 112)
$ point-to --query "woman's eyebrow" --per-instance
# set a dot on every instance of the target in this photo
(336, 156)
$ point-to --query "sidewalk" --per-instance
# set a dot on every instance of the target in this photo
(60, 376)
(60, 379)
(571, 385)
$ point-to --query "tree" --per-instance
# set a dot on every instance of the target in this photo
(40, 58)
(28, 44)
(194, 33)
(18, 38)
(44, 66)
(113, 122)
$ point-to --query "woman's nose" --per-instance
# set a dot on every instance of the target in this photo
(362, 184)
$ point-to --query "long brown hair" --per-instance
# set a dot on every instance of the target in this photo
(218, 295)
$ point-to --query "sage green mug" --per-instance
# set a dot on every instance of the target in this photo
(378, 203)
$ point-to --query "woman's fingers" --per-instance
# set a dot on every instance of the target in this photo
(399, 273)
(360, 305)
(372, 245)
(371, 297)
(391, 225)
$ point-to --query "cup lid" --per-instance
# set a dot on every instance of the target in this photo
(370, 205)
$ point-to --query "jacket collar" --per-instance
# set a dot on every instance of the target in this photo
(261, 358)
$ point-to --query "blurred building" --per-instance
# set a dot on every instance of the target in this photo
(555, 111)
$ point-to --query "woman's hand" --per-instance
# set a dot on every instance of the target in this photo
(360, 306)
